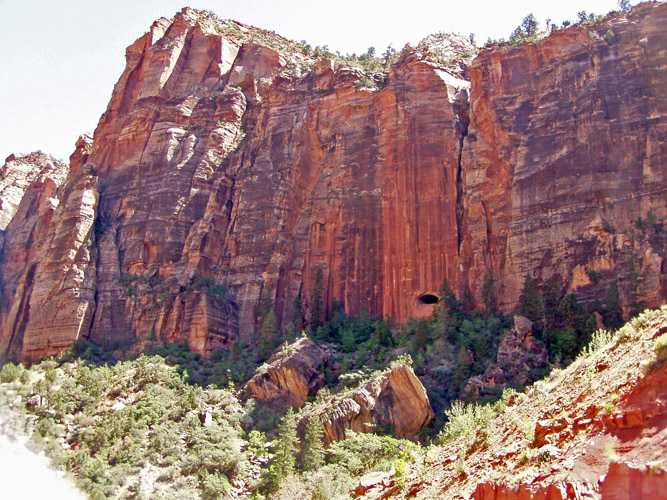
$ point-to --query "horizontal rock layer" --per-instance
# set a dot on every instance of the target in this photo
(227, 153)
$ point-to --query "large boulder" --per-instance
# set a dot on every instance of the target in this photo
(395, 401)
(291, 375)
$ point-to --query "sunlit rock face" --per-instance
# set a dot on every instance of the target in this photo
(291, 375)
(395, 400)
(231, 166)
(565, 151)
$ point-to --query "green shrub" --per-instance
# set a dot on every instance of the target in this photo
(361, 452)
(660, 347)
(10, 372)
(599, 339)
(214, 486)
(465, 420)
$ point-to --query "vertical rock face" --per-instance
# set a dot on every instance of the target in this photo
(230, 166)
(30, 190)
(55, 297)
(565, 151)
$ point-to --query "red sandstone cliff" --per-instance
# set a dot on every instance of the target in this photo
(227, 152)
(565, 151)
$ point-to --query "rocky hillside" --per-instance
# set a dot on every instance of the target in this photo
(233, 167)
(597, 429)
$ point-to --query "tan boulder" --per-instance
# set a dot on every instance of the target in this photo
(394, 401)
(290, 376)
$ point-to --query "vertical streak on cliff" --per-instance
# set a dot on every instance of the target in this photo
(461, 106)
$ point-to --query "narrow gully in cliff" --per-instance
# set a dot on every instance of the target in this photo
(461, 106)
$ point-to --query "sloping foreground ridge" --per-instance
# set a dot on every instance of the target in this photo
(231, 166)
(597, 429)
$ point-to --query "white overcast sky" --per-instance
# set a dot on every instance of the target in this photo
(59, 59)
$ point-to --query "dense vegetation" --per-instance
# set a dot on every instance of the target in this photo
(140, 428)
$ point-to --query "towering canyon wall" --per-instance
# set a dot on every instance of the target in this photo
(231, 166)
(565, 152)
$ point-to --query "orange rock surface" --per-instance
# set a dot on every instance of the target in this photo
(565, 151)
(230, 153)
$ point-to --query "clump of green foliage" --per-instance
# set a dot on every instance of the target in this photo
(207, 284)
(107, 424)
(470, 421)
(599, 340)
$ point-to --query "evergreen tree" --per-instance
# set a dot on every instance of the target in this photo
(297, 312)
(316, 309)
(551, 298)
(530, 304)
(595, 307)
(348, 342)
(295, 327)
(269, 337)
(383, 333)
(489, 291)
(529, 24)
(463, 369)
(587, 331)
(448, 304)
(613, 316)
(635, 304)
(313, 446)
(237, 348)
(422, 335)
(467, 301)
(265, 304)
(572, 311)
(565, 343)
(285, 450)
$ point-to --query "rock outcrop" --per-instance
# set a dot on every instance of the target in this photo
(232, 155)
(596, 429)
(395, 401)
(565, 151)
(31, 194)
(521, 360)
(21, 173)
(290, 376)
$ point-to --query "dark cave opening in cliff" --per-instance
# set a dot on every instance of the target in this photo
(427, 298)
